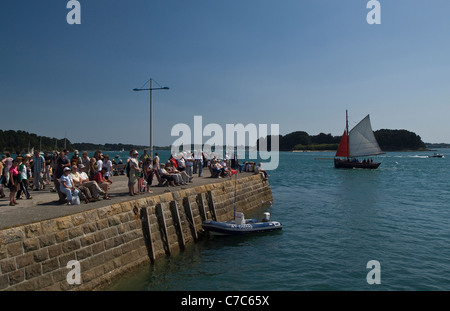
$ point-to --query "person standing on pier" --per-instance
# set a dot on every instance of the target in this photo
(38, 171)
(13, 182)
(2, 173)
(134, 170)
(48, 165)
(189, 164)
(23, 179)
(7, 165)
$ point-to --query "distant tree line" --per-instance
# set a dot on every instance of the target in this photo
(301, 140)
(389, 140)
(437, 145)
(106, 147)
(23, 142)
(399, 140)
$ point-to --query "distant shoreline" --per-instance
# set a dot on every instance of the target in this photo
(418, 150)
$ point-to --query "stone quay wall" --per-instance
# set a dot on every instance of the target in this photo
(110, 241)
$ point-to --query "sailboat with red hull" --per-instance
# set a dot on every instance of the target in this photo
(359, 142)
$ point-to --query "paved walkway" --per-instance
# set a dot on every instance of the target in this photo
(44, 203)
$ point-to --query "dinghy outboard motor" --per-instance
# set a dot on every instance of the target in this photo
(239, 219)
(266, 217)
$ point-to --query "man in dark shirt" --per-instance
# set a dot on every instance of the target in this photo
(48, 165)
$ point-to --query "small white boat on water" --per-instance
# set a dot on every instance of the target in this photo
(241, 226)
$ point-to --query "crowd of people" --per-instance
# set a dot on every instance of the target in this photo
(88, 179)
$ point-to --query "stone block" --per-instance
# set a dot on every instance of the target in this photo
(110, 232)
(40, 255)
(84, 253)
(4, 282)
(46, 240)
(114, 220)
(70, 246)
(16, 276)
(24, 260)
(44, 281)
(30, 245)
(49, 226)
(11, 235)
(98, 248)
(102, 224)
(99, 236)
(89, 228)
(33, 230)
(87, 240)
(8, 265)
(55, 250)
(33, 271)
(50, 265)
(64, 223)
(61, 236)
(3, 252)
(75, 232)
(78, 219)
(116, 209)
(91, 216)
(64, 259)
(60, 275)
(15, 249)
(104, 212)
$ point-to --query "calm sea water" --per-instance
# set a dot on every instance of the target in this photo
(335, 221)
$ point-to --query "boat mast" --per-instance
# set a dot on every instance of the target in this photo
(348, 137)
(235, 182)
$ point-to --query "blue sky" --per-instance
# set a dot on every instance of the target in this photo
(297, 63)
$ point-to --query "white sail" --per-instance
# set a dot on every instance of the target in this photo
(362, 141)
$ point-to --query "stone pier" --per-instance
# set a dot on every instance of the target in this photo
(108, 241)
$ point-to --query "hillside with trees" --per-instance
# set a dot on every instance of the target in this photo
(399, 140)
(389, 140)
(23, 142)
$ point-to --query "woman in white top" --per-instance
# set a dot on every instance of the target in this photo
(133, 171)
(108, 164)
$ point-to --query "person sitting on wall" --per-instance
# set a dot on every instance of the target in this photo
(181, 178)
(216, 168)
(103, 183)
(259, 170)
(66, 185)
(166, 176)
(181, 164)
(85, 193)
(173, 161)
(225, 170)
(61, 163)
(92, 185)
